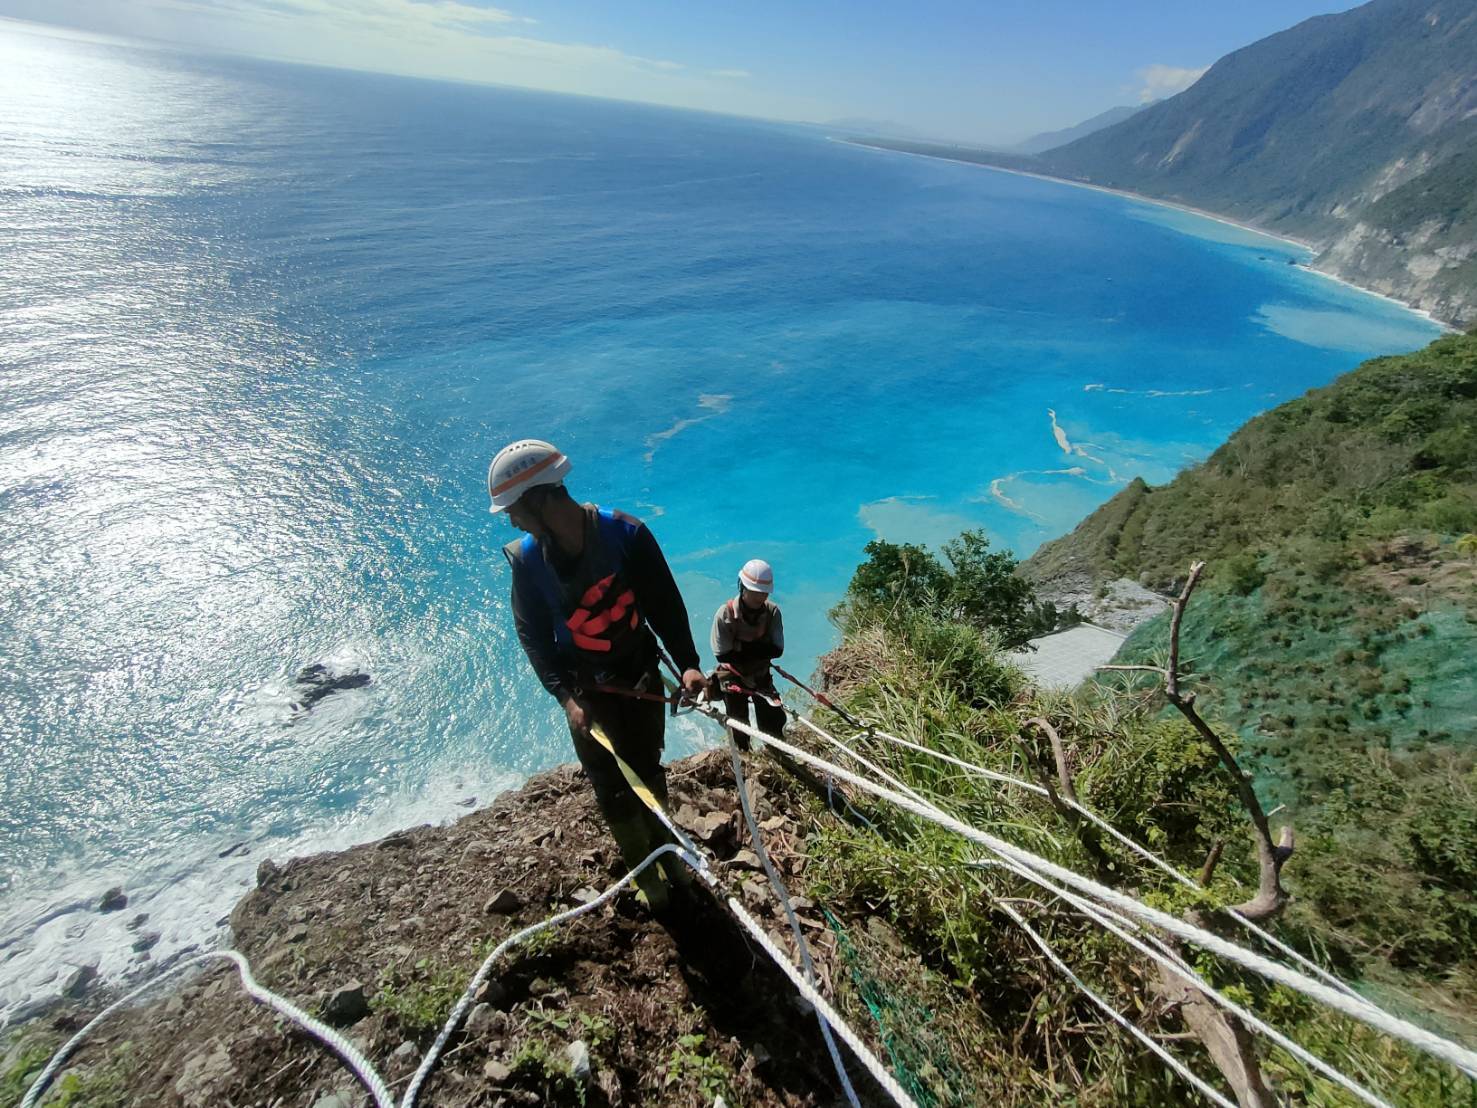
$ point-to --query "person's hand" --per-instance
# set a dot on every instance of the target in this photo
(579, 717)
(693, 682)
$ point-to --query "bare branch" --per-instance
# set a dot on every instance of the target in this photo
(1087, 834)
(1136, 669)
(1207, 871)
(1172, 671)
(1225, 1037)
(1064, 775)
(1271, 897)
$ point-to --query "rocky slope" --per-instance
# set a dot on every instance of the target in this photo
(382, 938)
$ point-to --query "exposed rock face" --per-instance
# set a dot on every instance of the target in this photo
(1119, 605)
(1422, 269)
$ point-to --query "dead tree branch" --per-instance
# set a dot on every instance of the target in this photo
(1226, 1039)
(1066, 802)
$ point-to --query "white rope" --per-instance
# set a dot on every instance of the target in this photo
(1354, 1006)
(1109, 921)
(458, 1013)
(330, 1038)
(1165, 957)
(1130, 844)
(1112, 1013)
(878, 1071)
(784, 898)
(878, 770)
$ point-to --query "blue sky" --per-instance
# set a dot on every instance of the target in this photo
(988, 70)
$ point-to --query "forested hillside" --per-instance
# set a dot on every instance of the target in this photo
(1337, 633)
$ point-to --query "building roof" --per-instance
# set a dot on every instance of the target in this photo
(1067, 658)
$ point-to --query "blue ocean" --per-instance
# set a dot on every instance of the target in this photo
(263, 326)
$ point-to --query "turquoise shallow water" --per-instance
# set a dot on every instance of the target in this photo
(263, 326)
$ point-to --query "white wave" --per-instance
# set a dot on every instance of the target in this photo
(1155, 393)
(1001, 497)
(186, 902)
(1058, 433)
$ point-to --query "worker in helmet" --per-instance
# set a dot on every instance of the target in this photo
(591, 594)
(748, 633)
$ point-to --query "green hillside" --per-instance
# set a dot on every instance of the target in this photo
(1285, 130)
(1337, 634)
(1317, 482)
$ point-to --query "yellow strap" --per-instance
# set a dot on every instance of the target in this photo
(638, 786)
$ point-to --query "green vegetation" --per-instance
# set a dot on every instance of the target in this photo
(1336, 635)
(1385, 450)
(982, 1017)
(23, 1062)
(692, 1070)
(420, 1000)
(102, 1084)
(971, 586)
(1444, 197)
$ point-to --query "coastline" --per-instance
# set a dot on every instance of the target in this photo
(1128, 194)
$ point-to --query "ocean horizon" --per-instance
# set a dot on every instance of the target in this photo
(263, 326)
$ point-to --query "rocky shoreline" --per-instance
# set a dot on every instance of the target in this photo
(613, 1008)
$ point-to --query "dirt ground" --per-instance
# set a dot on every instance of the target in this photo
(384, 937)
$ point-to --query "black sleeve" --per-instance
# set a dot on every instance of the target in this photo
(534, 621)
(661, 603)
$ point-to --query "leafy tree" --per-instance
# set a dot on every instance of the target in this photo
(971, 584)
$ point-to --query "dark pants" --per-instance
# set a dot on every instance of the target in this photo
(636, 728)
(767, 717)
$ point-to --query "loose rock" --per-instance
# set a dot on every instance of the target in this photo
(504, 903)
(113, 900)
(346, 1004)
(578, 1054)
(496, 1072)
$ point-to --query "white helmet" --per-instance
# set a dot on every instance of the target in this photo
(756, 576)
(520, 466)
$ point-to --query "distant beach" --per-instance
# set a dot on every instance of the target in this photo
(1128, 194)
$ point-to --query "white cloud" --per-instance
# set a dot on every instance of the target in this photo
(360, 14)
(1159, 81)
(457, 39)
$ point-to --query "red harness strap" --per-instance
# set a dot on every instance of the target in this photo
(589, 624)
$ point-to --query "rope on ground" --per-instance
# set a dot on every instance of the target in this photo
(784, 898)
(699, 864)
(459, 1012)
(879, 1073)
(1143, 852)
(1353, 1006)
(361, 1067)
(1112, 1013)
